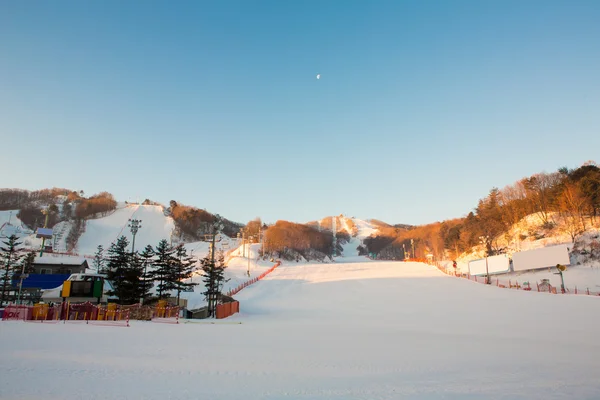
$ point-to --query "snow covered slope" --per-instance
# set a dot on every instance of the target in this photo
(10, 224)
(365, 229)
(104, 231)
(376, 330)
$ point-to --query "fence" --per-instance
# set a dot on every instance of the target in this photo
(514, 284)
(227, 309)
(252, 281)
(111, 314)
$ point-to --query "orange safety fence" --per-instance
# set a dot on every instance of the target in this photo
(515, 284)
(227, 309)
(253, 280)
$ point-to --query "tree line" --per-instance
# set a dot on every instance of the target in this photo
(283, 238)
(568, 199)
(193, 223)
(134, 275)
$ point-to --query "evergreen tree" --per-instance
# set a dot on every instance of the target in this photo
(163, 268)
(25, 267)
(125, 271)
(214, 278)
(146, 258)
(28, 261)
(9, 259)
(98, 262)
(183, 269)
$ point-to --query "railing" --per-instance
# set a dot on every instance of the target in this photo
(253, 281)
(514, 284)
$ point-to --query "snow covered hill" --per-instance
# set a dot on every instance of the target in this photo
(528, 234)
(104, 231)
(364, 230)
(373, 330)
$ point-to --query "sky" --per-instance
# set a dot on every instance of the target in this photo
(421, 109)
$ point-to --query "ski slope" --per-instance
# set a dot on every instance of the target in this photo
(10, 224)
(350, 249)
(371, 330)
(104, 231)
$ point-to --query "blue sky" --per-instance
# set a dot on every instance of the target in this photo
(422, 108)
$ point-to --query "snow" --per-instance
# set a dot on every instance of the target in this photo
(236, 273)
(372, 330)
(104, 231)
(55, 259)
(350, 249)
(10, 224)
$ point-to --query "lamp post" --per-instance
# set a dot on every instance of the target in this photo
(134, 225)
(249, 239)
(484, 240)
(561, 269)
(21, 282)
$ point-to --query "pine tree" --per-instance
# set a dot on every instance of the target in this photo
(214, 278)
(28, 262)
(146, 257)
(25, 267)
(163, 268)
(99, 261)
(9, 259)
(183, 269)
(125, 271)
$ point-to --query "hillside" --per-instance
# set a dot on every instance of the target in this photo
(155, 226)
(532, 233)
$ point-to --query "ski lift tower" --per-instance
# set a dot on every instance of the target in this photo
(44, 233)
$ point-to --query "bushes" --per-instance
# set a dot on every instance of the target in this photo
(33, 217)
(12, 199)
(101, 203)
(284, 236)
(192, 223)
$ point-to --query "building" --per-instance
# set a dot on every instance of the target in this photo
(49, 265)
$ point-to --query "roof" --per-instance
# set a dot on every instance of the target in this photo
(59, 260)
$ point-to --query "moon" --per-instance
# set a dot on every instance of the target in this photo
(318, 76)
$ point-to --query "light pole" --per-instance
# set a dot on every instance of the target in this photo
(134, 225)
(249, 238)
(484, 240)
(560, 269)
(21, 283)
(213, 290)
(412, 243)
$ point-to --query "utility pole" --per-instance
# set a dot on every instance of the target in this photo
(134, 225)
(249, 237)
(484, 240)
(561, 269)
(212, 296)
(21, 282)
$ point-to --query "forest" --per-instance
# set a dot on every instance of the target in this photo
(567, 200)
